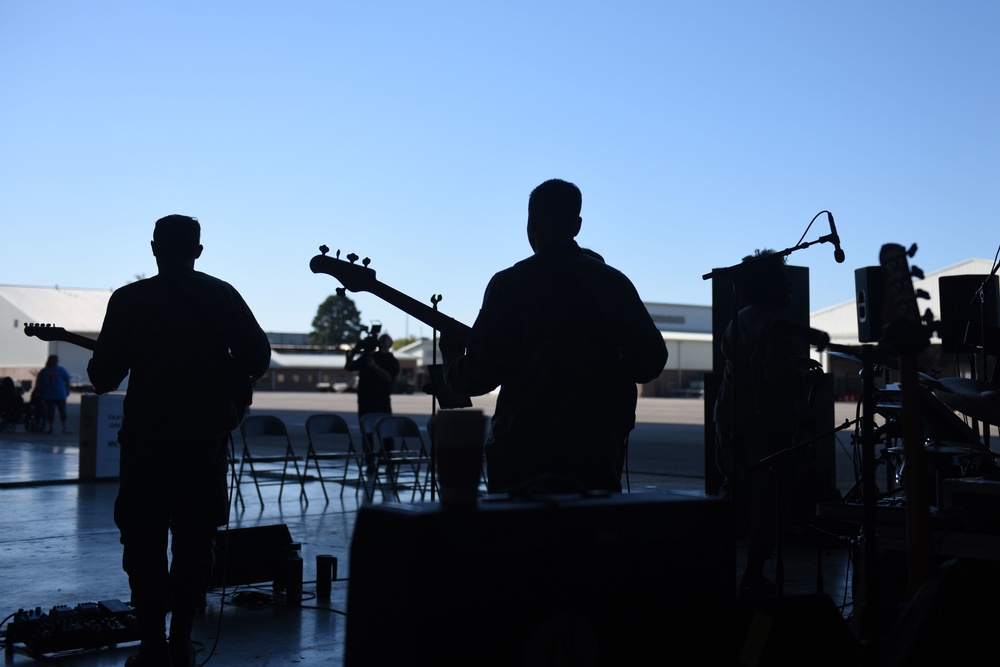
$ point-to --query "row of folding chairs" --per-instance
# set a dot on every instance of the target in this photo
(392, 456)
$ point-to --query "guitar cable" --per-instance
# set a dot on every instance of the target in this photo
(225, 550)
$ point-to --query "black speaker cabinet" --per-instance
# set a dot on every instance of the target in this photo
(797, 312)
(869, 286)
(249, 555)
(963, 313)
(639, 579)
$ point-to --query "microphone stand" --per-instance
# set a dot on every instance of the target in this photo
(981, 295)
(435, 300)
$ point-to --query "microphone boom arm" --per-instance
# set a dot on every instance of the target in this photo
(715, 273)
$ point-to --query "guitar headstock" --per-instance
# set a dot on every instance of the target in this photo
(904, 330)
(353, 277)
(46, 332)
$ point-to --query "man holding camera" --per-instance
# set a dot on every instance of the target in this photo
(377, 369)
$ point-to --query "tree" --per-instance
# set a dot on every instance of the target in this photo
(337, 321)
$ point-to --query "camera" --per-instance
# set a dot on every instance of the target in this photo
(368, 343)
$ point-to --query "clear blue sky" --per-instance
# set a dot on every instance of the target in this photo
(412, 133)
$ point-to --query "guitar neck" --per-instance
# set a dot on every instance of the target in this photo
(50, 333)
(421, 311)
(359, 278)
(81, 341)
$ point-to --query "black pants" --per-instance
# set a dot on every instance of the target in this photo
(176, 490)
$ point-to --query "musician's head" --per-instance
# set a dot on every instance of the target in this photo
(553, 213)
(53, 360)
(385, 342)
(177, 239)
(763, 279)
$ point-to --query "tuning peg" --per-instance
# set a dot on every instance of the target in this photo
(917, 272)
(338, 253)
(323, 250)
(921, 294)
(436, 299)
(366, 262)
(351, 257)
(341, 291)
(912, 251)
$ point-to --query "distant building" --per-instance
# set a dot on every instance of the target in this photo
(80, 311)
(687, 331)
(298, 366)
(295, 364)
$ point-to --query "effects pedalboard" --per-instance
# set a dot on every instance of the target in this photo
(89, 625)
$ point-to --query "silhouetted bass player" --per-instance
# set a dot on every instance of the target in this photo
(566, 338)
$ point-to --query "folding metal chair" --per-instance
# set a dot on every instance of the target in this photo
(400, 449)
(368, 446)
(330, 441)
(268, 432)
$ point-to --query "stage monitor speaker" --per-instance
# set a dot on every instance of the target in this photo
(869, 286)
(794, 630)
(249, 555)
(963, 315)
(637, 579)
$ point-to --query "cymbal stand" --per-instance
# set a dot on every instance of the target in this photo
(869, 495)
(779, 569)
(981, 295)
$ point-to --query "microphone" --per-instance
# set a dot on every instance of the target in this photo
(838, 253)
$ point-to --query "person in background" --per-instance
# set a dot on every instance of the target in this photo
(377, 369)
(12, 408)
(53, 382)
(566, 338)
(191, 348)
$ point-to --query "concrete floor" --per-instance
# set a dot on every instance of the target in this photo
(59, 546)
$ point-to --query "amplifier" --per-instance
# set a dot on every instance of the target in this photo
(618, 580)
(249, 555)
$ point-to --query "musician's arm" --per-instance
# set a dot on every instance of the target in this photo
(109, 365)
(249, 346)
(644, 352)
(351, 360)
(474, 366)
